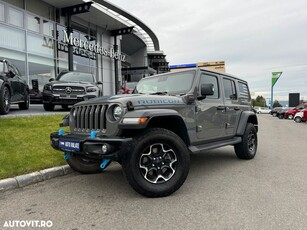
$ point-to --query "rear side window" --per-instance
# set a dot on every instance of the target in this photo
(243, 91)
(229, 89)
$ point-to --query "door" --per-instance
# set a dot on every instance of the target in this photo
(232, 107)
(17, 85)
(210, 112)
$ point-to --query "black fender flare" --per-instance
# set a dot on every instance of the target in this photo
(246, 117)
(150, 114)
(163, 118)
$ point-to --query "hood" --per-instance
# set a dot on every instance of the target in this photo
(137, 100)
(64, 83)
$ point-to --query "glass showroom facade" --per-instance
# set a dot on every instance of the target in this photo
(31, 37)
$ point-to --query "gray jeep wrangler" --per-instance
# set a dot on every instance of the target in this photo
(152, 132)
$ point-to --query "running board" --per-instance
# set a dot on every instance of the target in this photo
(214, 145)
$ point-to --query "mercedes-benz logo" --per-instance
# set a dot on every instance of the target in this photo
(68, 90)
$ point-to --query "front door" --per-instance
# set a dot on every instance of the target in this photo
(210, 112)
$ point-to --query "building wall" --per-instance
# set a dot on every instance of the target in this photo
(30, 38)
(215, 66)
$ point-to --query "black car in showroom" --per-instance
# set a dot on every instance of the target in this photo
(69, 88)
(13, 88)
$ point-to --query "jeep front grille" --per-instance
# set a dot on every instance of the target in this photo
(90, 118)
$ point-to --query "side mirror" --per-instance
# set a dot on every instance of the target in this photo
(207, 89)
(51, 79)
(11, 74)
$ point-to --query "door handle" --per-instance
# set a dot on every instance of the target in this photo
(220, 108)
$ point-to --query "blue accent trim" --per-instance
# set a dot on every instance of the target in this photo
(93, 134)
(67, 156)
(104, 163)
(61, 132)
(182, 66)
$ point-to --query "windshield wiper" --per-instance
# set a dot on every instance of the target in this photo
(159, 93)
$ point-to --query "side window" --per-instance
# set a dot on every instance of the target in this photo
(209, 79)
(229, 89)
(243, 91)
(12, 69)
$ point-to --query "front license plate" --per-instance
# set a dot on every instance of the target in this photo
(69, 145)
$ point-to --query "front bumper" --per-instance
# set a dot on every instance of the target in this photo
(91, 148)
(57, 99)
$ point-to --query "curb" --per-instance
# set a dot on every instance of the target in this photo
(32, 115)
(34, 177)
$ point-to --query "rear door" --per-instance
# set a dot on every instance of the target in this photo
(232, 106)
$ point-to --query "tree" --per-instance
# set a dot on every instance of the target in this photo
(259, 101)
(276, 104)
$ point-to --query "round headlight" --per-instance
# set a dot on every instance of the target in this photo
(117, 112)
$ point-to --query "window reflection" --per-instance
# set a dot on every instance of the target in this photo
(33, 23)
(1, 12)
(41, 69)
(48, 28)
(15, 17)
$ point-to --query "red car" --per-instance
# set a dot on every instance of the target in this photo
(291, 112)
(127, 87)
(301, 116)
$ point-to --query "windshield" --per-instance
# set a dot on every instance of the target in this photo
(76, 77)
(180, 82)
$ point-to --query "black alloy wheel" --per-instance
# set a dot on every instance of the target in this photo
(159, 163)
(25, 105)
(247, 149)
(5, 101)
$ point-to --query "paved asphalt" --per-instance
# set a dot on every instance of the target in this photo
(35, 109)
(221, 192)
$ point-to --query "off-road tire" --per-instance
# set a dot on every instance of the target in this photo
(49, 107)
(290, 117)
(167, 156)
(5, 97)
(83, 166)
(247, 149)
(25, 105)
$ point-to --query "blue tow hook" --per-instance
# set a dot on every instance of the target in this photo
(105, 163)
(61, 132)
(93, 134)
(67, 156)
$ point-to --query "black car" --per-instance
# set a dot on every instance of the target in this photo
(13, 88)
(275, 110)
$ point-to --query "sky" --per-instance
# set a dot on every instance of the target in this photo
(254, 38)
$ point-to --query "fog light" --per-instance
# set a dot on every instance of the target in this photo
(104, 148)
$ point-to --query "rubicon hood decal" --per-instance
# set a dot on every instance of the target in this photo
(159, 101)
